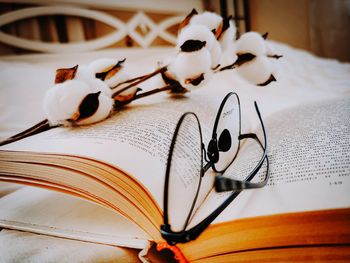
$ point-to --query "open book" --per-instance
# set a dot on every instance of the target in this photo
(120, 164)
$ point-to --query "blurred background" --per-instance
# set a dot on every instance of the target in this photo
(318, 26)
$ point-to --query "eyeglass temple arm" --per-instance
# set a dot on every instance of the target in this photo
(194, 232)
(227, 184)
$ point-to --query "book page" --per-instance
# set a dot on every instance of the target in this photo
(46, 212)
(309, 153)
(135, 139)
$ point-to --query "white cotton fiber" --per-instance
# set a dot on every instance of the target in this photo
(207, 75)
(251, 42)
(103, 111)
(269, 50)
(195, 32)
(257, 71)
(84, 73)
(105, 64)
(209, 19)
(87, 75)
(117, 78)
(215, 54)
(61, 101)
(102, 65)
(187, 65)
(191, 65)
(228, 37)
(229, 56)
(99, 85)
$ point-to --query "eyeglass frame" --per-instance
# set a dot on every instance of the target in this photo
(221, 183)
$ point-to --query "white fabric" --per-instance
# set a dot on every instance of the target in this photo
(16, 246)
(301, 78)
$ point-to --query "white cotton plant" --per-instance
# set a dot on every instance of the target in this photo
(251, 42)
(213, 22)
(255, 59)
(84, 96)
(63, 103)
(192, 69)
(258, 71)
(206, 44)
(115, 74)
(195, 33)
(209, 19)
(216, 55)
(61, 100)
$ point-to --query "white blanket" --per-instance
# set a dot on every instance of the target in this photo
(302, 78)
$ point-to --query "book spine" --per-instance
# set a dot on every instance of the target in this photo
(177, 252)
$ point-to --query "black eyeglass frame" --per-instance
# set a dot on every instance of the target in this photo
(221, 183)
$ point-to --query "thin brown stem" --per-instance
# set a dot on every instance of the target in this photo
(154, 91)
(227, 67)
(37, 128)
(130, 81)
(139, 80)
(144, 94)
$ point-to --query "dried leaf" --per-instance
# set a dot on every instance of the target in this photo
(271, 78)
(216, 67)
(178, 89)
(111, 71)
(187, 19)
(168, 79)
(120, 100)
(192, 45)
(275, 56)
(243, 58)
(218, 30)
(224, 25)
(196, 80)
(63, 74)
(87, 107)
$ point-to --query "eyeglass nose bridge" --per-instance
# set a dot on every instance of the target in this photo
(213, 151)
(173, 238)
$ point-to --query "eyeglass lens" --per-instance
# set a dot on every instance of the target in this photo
(185, 171)
(227, 131)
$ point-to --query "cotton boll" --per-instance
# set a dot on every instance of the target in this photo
(170, 73)
(270, 52)
(257, 71)
(209, 19)
(251, 42)
(195, 32)
(215, 53)
(107, 64)
(117, 78)
(102, 65)
(84, 73)
(103, 111)
(191, 65)
(99, 85)
(228, 37)
(198, 81)
(61, 101)
(187, 65)
(229, 55)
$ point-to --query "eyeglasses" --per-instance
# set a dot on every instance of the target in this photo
(185, 171)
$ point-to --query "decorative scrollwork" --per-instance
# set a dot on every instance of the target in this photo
(122, 29)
